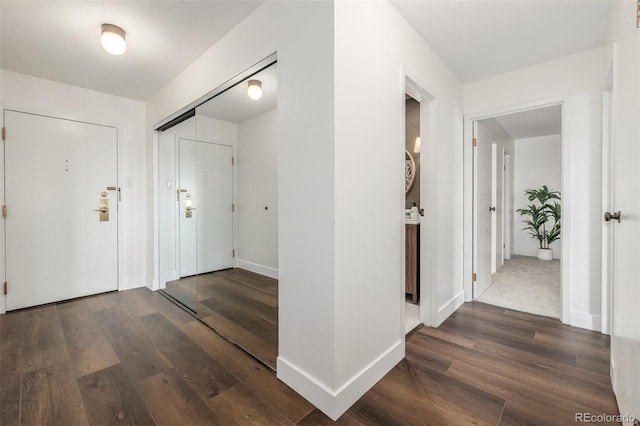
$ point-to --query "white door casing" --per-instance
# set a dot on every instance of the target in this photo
(482, 214)
(56, 171)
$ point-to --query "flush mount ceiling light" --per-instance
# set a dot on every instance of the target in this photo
(255, 89)
(416, 147)
(113, 39)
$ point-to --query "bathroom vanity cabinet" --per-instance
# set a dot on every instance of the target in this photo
(411, 260)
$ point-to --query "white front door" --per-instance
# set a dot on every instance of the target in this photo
(58, 175)
(215, 215)
(482, 209)
(205, 207)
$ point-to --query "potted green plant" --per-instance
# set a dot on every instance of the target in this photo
(542, 213)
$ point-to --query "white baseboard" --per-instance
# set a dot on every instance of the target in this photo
(449, 308)
(150, 283)
(585, 320)
(132, 282)
(267, 271)
(335, 402)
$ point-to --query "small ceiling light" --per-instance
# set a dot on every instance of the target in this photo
(416, 147)
(113, 39)
(255, 89)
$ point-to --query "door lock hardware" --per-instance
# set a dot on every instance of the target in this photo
(615, 216)
(188, 209)
(103, 209)
(492, 209)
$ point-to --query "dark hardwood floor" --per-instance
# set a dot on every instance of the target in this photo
(238, 304)
(135, 358)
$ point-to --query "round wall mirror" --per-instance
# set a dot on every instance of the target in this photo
(409, 171)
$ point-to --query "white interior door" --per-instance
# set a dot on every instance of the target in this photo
(56, 174)
(188, 200)
(482, 212)
(497, 201)
(625, 191)
(506, 207)
(215, 214)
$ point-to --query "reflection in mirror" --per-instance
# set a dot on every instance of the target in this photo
(238, 297)
(176, 226)
(218, 214)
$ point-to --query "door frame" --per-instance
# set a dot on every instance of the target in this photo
(468, 185)
(121, 285)
(427, 287)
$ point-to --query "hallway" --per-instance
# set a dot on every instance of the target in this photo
(133, 357)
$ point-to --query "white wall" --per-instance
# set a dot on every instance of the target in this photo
(302, 34)
(576, 79)
(537, 163)
(340, 263)
(369, 194)
(29, 94)
(257, 189)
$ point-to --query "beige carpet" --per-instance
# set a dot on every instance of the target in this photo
(526, 284)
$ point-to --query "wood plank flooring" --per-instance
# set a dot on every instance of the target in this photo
(159, 365)
(240, 305)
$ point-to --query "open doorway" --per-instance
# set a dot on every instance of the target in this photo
(412, 213)
(517, 211)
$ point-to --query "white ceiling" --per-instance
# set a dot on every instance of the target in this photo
(479, 39)
(60, 40)
(235, 106)
(528, 124)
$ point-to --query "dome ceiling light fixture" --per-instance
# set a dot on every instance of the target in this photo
(113, 39)
(255, 89)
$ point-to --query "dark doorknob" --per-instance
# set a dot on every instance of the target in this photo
(492, 209)
(615, 216)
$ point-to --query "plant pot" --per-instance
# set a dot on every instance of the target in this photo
(545, 254)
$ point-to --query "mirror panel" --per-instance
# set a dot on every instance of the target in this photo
(239, 304)
(218, 220)
(177, 229)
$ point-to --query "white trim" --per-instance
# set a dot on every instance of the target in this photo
(149, 282)
(428, 132)
(267, 271)
(155, 279)
(449, 308)
(335, 402)
(566, 261)
(585, 320)
(133, 282)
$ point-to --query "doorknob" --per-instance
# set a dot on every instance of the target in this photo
(615, 216)
(492, 209)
